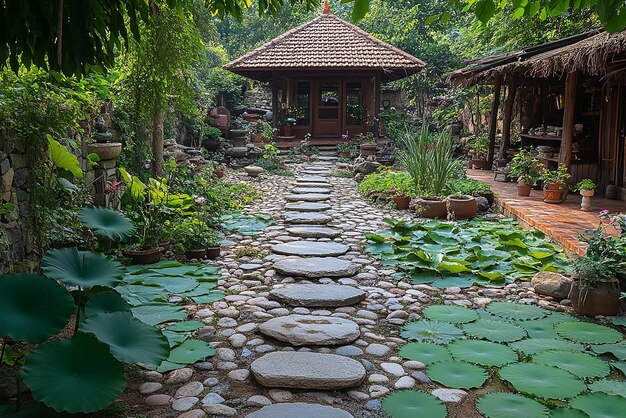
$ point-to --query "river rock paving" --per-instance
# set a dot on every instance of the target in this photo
(255, 375)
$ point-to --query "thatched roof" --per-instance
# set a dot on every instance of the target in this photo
(596, 53)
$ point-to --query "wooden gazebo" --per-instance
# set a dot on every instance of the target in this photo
(326, 74)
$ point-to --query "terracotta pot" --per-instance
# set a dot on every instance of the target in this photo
(251, 117)
(106, 151)
(523, 188)
(402, 202)
(554, 193)
(462, 206)
(602, 300)
(218, 173)
(213, 252)
(197, 253)
(368, 149)
(587, 193)
(479, 164)
(256, 138)
(431, 207)
(210, 144)
(151, 256)
(287, 130)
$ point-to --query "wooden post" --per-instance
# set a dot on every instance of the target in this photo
(507, 118)
(275, 111)
(571, 82)
(493, 120)
(377, 103)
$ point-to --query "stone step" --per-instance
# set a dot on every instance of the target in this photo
(299, 410)
(307, 218)
(307, 370)
(301, 190)
(307, 207)
(316, 267)
(318, 295)
(299, 330)
(312, 231)
(307, 197)
(312, 179)
(312, 184)
(328, 158)
(320, 173)
(311, 249)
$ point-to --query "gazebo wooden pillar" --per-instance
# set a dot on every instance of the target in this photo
(507, 118)
(571, 83)
(274, 85)
(493, 120)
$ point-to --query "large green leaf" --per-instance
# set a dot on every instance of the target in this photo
(580, 364)
(610, 387)
(62, 158)
(600, 405)
(450, 313)
(131, 340)
(543, 381)
(76, 375)
(457, 374)
(431, 332)
(586, 332)
(516, 311)
(190, 352)
(106, 302)
(32, 410)
(618, 350)
(509, 405)
(536, 345)
(426, 353)
(81, 268)
(567, 413)
(484, 353)
(33, 308)
(107, 223)
(157, 313)
(498, 331)
(412, 404)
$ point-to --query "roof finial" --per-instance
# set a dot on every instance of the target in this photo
(326, 7)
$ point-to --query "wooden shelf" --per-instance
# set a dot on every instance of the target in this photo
(541, 137)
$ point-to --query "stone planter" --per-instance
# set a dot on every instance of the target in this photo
(431, 207)
(585, 204)
(106, 151)
(150, 256)
(368, 149)
(462, 206)
(523, 188)
(402, 202)
(554, 193)
(602, 300)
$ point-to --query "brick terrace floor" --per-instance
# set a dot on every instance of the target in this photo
(563, 222)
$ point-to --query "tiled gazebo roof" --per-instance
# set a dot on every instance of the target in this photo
(326, 42)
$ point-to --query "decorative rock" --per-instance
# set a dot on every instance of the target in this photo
(551, 284)
(306, 218)
(158, 400)
(311, 249)
(239, 375)
(253, 170)
(405, 382)
(314, 232)
(279, 395)
(212, 398)
(377, 350)
(219, 410)
(307, 197)
(307, 370)
(258, 400)
(149, 387)
(301, 330)
(300, 410)
(184, 404)
(237, 152)
(449, 395)
(307, 207)
(194, 413)
(322, 295)
(316, 267)
(301, 190)
(179, 376)
(190, 389)
(393, 368)
(349, 350)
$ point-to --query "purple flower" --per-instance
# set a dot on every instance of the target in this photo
(604, 212)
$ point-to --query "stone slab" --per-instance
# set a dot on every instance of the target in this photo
(307, 197)
(299, 330)
(316, 267)
(320, 190)
(307, 207)
(318, 295)
(311, 249)
(299, 410)
(312, 184)
(306, 218)
(307, 370)
(312, 179)
(316, 172)
(310, 231)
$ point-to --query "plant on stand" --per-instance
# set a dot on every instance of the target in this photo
(526, 168)
(367, 144)
(555, 184)
(586, 187)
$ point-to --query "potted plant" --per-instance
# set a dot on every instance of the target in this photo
(210, 138)
(586, 187)
(219, 170)
(265, 131)
(214, 244)
(478, 150)
(400, 185)
(555, 184)
(367, 144)
(345, 149)
(526, 168)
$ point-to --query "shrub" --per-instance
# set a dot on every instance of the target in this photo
(387, 182)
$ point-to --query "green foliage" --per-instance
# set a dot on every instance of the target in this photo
(525, 167)
(599, 404)
(516, 311)
(409, 404)
(468, 186)
(243, 224)
(579, 364)
(81, 268)
(586, 184)
(450, 313)
(484, 353)
(211, 133)
(542, 381)
(457, 374)
(107, 223)
(505, 405)
(388, 182)
(427, 353)
(496, 331)
(559, 176)
(585, 332)
(436, 332)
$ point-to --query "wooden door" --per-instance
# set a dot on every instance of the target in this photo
(354, 102)
(328, 109)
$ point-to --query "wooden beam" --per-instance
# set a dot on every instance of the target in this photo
(569, 108)
(275, 100)
(507, 118)
(493, 120)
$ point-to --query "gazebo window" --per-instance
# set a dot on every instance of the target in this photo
(329, 101)
(303, 103)
(354, 104)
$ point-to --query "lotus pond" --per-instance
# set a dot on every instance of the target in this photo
(487, 252)
(553, 364)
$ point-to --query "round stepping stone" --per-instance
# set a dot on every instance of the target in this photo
(307, 370)
(311, 249)
(307, 218)
(314, 232)
(305, 184)
(300, 410)
(300, 190)
(312, 179)
(307, 197)
(307, 207)
(316, 267)
(299, 330)
(318, 295)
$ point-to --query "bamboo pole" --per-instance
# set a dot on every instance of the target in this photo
(567, 139)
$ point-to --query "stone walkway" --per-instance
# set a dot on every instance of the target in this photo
(310, 327)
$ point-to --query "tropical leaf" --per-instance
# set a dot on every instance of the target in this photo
(411, 404)
(62, 158)
(509, 405)
(516, 311)
(431, 332)
(536, 345)
(157, 313)
(33, 308)
(497, 331)
(190, 352)
(579, 364)
(567, 413)
(185, 326)
(454, 281)
(130, 340)
(610, 387)
(81, 268)
(106, 302)
(586, 332)
(600, 405)
(618, 350)
(484, 353)
(542, 381)
(56, 371)
(539, 328)
(426, 353)
(457, 374)
(450, 313)
(134, 185)
(107, 223)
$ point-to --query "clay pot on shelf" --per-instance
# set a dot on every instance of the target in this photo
(431, 207)
(585, 204)
(402, 202)
(523, 188)
(213, 252)
(601, 300)
(149, 256)
(462, 206)
(554, 193)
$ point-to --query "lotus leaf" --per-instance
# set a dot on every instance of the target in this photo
(600, 405)
(536, 345)
(81, 268)
(480, 352)
(580, 364)
(509, 405)
(185, 326)
(618, 350)
(431, 331)
(539, 329)
(450, 313)
(586, 332)
(543, 381)
(610, 387)
(453, 281)
(107, 223)
(106, 302)
(497, 331)
(457, 374)
(516, 311)
(33, 308)
(190, 352)
(621, 366)
(157, 313)
(426, 353)
(567, 413)
(411, 404)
